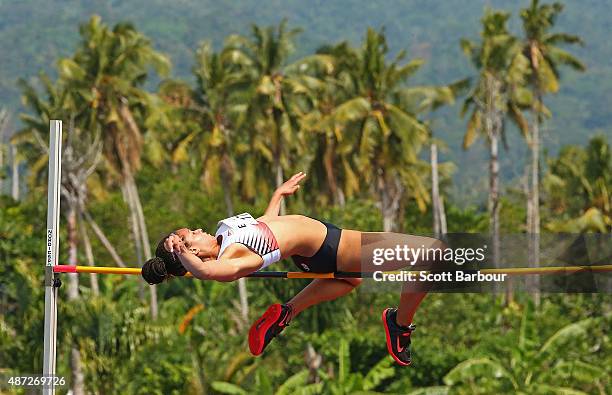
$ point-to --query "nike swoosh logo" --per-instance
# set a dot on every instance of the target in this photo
(283, 322)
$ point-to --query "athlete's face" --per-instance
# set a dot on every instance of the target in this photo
(199, 242)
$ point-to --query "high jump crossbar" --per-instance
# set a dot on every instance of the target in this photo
(517, 271)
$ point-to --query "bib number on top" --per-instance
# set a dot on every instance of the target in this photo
(239, 221)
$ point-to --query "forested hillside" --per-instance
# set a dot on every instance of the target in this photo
(34, 34)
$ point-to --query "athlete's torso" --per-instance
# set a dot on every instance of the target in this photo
(294, 235)
(255, 235)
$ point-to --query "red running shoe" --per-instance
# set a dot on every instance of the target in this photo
(270, 324)
(398, 337)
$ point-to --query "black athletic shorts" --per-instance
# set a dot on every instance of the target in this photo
(324, 261)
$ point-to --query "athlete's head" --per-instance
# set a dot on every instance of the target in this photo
(200, 243)
(166, 264)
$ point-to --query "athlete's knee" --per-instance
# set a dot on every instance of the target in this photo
(440, 244)
(433, 253)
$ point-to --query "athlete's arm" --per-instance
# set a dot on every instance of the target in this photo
(288, 188)
(220, 270)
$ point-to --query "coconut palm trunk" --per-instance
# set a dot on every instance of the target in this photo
(144, 240)
(14, 173)
(534, 196)
(279, 181)
(330, 174)
(390, 192)
(142, 226)
(443, 224)
(3, 123)
(93, 277)
(435, 194)
(127, 197)
(71, 226)
(130, 195)
(494, 195)
(226, 177)
(493, 123)
(78, 385)
(102, 237)
(439, 214)
(527, 191)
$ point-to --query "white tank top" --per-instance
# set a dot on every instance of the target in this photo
(246, 230)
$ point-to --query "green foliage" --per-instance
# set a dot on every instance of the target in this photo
(559, 364)
(578, 188)
(21, 297)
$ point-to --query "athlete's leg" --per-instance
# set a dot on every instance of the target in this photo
(409, 303)
(277, 316)
(321, 290)
(398, 322)
(412, 294)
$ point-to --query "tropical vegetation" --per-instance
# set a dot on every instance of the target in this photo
(141, 161)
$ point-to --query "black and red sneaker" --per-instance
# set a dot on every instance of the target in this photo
(270, 324)
(398, 337)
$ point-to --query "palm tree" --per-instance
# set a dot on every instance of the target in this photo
(496, 94)
(174, 125)
(387, 136)
(331, 157)
(105, 76)
(218, 84)
(263, 57)
(274, 95)
(540, 46)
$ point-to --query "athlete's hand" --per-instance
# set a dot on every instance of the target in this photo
(178, 246)
(172, 242)
(291, 185)
(181, 249)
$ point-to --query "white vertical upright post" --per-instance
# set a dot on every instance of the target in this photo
(52, 243)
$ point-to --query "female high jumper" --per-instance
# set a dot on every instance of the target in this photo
(243, 245)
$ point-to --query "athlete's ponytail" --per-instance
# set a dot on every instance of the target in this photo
(164, 265)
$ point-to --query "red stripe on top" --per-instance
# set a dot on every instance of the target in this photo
(269, 238)
(259, 238)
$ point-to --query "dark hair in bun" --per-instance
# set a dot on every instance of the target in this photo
(164, 265)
